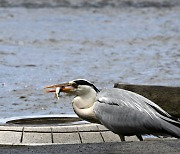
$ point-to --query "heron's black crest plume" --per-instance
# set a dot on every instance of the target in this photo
(85, 82)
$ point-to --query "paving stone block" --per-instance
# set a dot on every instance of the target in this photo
(37, 129)
(11, 128)
(110, 137)
(87, 128)
(131, 138)
(102, 128)
(91, 137)
(64, 129)
(10, 137)
(66, 138)
(37, 137)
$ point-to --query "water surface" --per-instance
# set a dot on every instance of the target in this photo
(45, 46)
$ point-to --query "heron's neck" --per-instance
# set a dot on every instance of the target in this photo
(85, 100)
(83, 105)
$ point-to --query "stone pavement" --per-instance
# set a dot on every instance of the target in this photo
(84, 138)
(73, 134)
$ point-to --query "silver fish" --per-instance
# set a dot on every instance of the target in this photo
(57, 93)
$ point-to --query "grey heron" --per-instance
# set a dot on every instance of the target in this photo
(123, 112)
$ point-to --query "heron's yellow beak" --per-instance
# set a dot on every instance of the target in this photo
(65, 87)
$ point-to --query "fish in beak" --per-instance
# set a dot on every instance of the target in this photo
(57, 89)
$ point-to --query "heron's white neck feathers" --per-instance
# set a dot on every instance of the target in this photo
(83, 104)
(85, 100)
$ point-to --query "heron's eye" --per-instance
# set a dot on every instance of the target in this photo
(75, 85)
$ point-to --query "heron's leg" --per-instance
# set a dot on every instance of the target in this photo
(122, 137)
(139, 137)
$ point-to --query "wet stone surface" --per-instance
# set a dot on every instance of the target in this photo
(43, 46)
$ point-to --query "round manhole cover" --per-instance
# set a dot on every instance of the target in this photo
(43, 120)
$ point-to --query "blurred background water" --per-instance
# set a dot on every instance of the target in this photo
(44, 46)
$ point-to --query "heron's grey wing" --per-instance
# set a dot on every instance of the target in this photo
(128, 113)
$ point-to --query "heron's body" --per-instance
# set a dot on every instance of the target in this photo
(127, 113)
(123, 112)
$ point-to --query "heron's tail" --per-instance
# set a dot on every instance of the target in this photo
(171, 126)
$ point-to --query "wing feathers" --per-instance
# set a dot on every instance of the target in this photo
(128, 113)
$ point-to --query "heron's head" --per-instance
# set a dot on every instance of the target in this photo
(75, 87)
